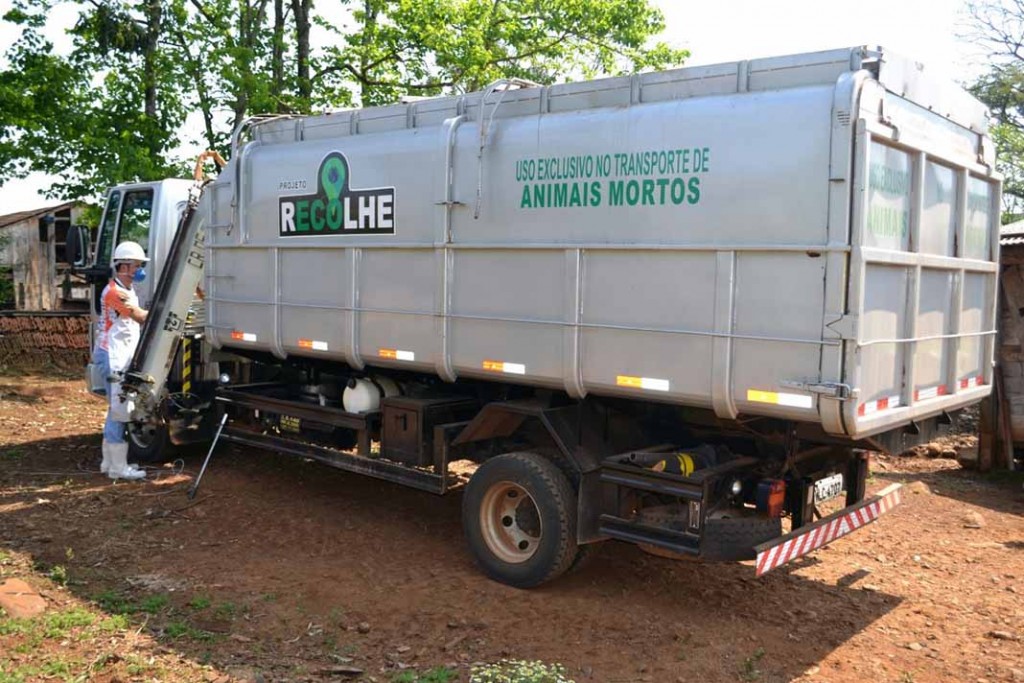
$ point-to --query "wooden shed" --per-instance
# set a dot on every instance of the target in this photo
(33, 275)
(1002, 416)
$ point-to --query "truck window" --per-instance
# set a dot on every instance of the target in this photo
(135, 215)
(105, 242)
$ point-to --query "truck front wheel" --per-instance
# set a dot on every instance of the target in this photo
(148, 443)
(519, 516)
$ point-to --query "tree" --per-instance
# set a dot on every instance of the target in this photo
(113, 109)
(107, 112)
(998, 27)
(428, 47)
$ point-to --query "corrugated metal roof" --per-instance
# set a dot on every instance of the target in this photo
(1012, 241)
(18, 217)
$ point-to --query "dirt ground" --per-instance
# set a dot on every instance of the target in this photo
(286, 570)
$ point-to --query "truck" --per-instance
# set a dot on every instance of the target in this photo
(677, 309)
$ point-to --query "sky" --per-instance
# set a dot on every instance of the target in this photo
(728, 30)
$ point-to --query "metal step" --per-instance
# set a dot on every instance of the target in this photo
(350, 462)
(633, 477)
(634, 532)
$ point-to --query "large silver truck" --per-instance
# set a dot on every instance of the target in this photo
(676, 309)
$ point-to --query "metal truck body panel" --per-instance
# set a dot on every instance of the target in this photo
(808, 237)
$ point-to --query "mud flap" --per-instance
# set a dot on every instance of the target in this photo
(775, 553)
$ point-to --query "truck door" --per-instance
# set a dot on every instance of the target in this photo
(126, 216)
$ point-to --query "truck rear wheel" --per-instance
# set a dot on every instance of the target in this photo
(519, 516)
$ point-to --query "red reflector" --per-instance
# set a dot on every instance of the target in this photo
(771, 496)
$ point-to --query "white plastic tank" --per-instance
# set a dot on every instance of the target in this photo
(363, 395)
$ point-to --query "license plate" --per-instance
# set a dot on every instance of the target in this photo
(828, 488)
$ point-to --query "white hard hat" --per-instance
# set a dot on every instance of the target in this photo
(130, 251)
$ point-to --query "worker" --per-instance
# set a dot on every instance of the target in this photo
(116, 339)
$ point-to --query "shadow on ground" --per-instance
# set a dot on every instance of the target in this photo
(288, 567)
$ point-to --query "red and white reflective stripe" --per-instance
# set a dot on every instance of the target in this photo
(972, 382)
(872, 407)
(778, 552)
(931, 392)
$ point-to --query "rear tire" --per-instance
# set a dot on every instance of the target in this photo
(149, 444)
(519, 516)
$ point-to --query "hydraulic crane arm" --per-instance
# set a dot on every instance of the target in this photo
(183, 271)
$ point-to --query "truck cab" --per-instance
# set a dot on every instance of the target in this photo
(146, 213)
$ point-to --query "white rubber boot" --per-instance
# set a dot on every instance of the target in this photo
(119, 467)
(105, 464)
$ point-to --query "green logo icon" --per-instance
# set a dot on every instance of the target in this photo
(336, 208)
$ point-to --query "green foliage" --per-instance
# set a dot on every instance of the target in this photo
(49, 625)
(226, 610)
(7, 298)
(154, 604)
(108, 112)
(441, 674)
(182, 629)
(58, 574)
(997, 28)
(428, 47)
(199, 602)
(111, 109)
(113, 602)
(519, 671)
(750, 671)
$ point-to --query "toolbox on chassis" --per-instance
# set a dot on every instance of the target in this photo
(675, 309)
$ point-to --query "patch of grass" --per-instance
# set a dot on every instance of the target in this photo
(226, 610)
(31, 643)
(114, 602)
(58, 574)
(15, 627)
(199, 602)
(268, 597)
(441, 674)
(135, 669)
(135, 665)
(56, 668)
(59, 624)
(118, 622)
(906, 677)
(154, 603)
(52, 625)
(749, 670)
(12, 453)
(182, 629)
(8, 674)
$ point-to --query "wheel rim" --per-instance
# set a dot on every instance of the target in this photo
(510, 522)
(143, 436)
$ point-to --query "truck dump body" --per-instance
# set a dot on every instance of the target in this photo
(806, 237)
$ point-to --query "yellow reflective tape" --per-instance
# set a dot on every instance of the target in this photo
(781, 399)
(756, 396)
(504, 366)
(399, 354)
(650, 383)
(313, 344)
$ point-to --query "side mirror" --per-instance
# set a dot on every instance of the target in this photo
(76, 249)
